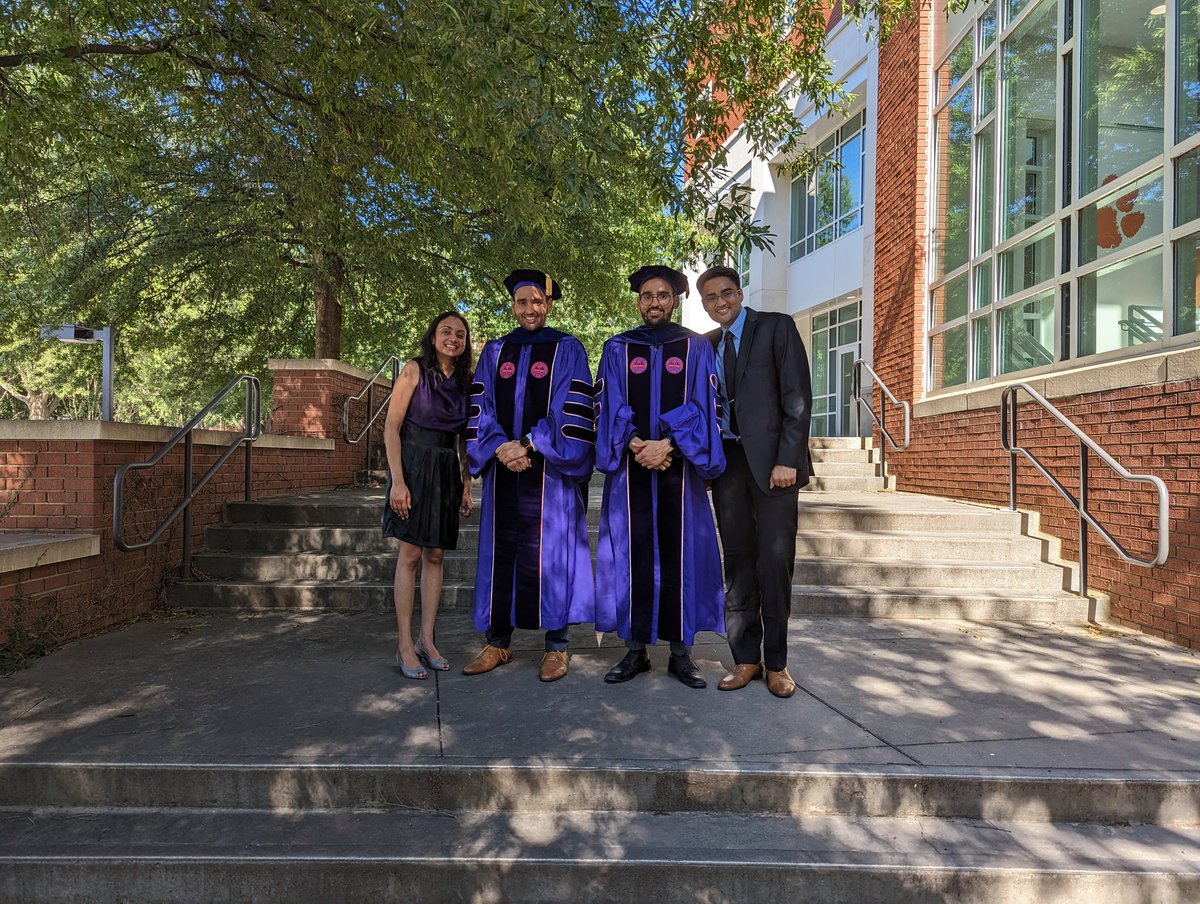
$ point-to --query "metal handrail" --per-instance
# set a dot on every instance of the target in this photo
(880, 420)
(372, 416)
(1008, 439)
(251, 430)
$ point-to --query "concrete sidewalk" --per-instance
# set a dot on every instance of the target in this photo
(919, 696)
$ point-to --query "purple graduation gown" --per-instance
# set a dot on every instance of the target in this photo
(534, 568)
(658, 568)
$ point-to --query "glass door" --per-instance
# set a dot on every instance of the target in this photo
(836, 344)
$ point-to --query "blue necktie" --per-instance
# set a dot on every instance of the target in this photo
(730, 364)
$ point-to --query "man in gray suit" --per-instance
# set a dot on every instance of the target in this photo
(767, 402)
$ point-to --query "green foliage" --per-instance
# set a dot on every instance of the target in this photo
(221, 182)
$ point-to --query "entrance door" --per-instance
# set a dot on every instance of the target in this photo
(836, 344)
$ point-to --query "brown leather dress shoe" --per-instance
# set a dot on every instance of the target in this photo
(741, 675)
(780, 683)
(489, 657)
(554, 665)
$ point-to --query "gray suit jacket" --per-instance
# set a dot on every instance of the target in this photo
(774, 396)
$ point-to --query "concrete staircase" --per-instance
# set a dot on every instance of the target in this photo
(859, 552)
(552, 833)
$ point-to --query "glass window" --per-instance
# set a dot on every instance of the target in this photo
(1187, 272)
(1027, 333)
(1187, 187)
(987, 87)
(1127, 216)
(1027, 264)
(949, 354)
(956, 66)
(950, 300)
(1122, 65)
(983, 348)
(1187, 69)
(1121, 305)
(828, 203)
(987, 28)
(954, 126)
(1029, 59)
(983, 285)
(985, 188)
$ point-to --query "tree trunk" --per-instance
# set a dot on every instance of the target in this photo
(42, 406)
(327, 295)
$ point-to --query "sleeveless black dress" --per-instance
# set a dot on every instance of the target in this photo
(436, 418)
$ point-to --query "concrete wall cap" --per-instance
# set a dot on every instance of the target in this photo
(1171, 366)
(332, 364)
(31, 549)
(93, 431)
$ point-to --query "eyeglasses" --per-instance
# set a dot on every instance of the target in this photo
(660, 297)
(726, 295)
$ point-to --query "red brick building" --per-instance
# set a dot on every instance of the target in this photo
(1012, 197)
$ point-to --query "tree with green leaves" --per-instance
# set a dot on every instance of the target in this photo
(228, 181)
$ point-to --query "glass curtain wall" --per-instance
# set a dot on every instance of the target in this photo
(828, 203)
(1065, 203)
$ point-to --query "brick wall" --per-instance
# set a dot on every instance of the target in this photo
(1148, 428)
(58, 477)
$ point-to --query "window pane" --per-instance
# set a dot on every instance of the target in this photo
(956, 66)
(1030, 107)
(1122, 67)
(853, 124)
(983, 285)
(826, 207)
(985, 188)
(799, 205)
(950, 300)
(1012, 8)
(1187, 79)
(1187, 188)
(1121, 219)
(983, 348)
(949, 356)
(850, 183)
(954, 182)
(987, 28)
(1027, 334)
(987, 87)
(1026, 265)
(1187, 271)
(1121, 305)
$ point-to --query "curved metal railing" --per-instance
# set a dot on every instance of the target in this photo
(880, 420)
(251, 430)
(1008, 439)
(394, 363)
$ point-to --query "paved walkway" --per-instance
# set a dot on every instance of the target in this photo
(922, 695)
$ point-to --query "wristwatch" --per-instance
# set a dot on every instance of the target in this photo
(527, 443)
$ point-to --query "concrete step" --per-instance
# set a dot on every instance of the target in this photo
(904, 513)
(332, 513)
(528, 786)
(460, 567)
(845, 469)
(251, 596)
(821, 443)
(357, 541)
(846, 484)
(258, 855)
(836, 455)
(978, 604)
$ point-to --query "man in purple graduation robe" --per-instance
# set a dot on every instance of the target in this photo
(658, 439)
(531, 434)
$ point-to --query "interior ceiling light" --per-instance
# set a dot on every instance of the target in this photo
(1160, 10)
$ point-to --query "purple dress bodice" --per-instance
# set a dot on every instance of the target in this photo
(438, 403)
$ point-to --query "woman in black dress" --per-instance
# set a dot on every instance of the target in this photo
(428, 483)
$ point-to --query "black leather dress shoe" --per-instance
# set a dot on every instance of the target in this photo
(686, 671)
(635, 662)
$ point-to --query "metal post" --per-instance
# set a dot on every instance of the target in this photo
(187, 509)
(105, 335)
(882, 429)
(1012, 451)
(249, 428)
(370, 412)
(1083, 503)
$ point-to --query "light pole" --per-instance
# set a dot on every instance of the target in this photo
(79, 334)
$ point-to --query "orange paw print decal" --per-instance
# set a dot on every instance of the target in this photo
(1118, 221)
